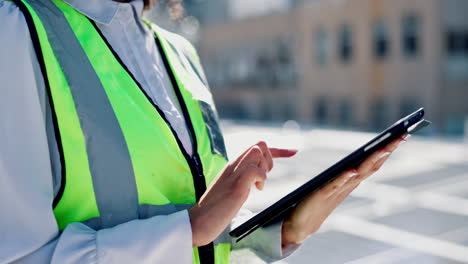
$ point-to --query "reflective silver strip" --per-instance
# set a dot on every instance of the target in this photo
(148, 210)
(214, 131)
(109, 159)
(145, 211)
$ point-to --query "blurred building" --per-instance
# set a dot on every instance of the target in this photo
(348, 63)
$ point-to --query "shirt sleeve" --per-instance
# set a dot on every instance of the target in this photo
(265, 242)
(28, 229)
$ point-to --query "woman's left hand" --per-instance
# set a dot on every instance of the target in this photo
(309, 215)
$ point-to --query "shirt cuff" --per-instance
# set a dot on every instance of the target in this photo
(265, 242)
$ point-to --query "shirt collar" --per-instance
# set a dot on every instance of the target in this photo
(101, 11)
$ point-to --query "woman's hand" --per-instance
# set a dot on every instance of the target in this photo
(309, 215)
(228, 192)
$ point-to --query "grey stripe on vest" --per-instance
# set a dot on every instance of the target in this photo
(109, 159)
(145, 211)
(148, 210)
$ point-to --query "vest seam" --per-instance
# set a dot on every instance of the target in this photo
(40, 57)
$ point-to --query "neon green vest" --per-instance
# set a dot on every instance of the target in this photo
(120, 158)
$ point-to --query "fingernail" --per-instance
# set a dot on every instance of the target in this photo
(353, 174)
(384, 155)
(406, 137)
(293, 150)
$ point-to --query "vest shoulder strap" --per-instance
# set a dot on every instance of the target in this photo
(183, 46)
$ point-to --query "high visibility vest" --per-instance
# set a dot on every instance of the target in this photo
(121, 159)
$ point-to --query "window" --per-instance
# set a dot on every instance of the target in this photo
(289, 111)
(457, 42)
(321, 111)
(321, 46)
(456, 51)
(345, 48)
(378, 114)
(283, 51)
(451, 43)
(284, 69)
(263, 65)
(266, 113)
(345, 113)
(410, 35)
(381, 41)
(465, 43)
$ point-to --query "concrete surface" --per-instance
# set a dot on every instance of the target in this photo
(414, 210)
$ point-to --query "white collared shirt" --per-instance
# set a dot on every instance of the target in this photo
(29, 156)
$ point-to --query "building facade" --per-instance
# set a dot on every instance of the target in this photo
(346, 63)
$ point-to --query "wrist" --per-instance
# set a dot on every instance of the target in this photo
(194, 216)
(289, 235)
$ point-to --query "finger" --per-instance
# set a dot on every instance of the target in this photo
(348, 185)
(282, 153)
(241, 157)
(264, 164)
(376, 167)
(338, 197)
(367, 165)
(335, 185)
(392, 146)
(255, 175)
(256, 156)
(251, 156)
(341, 196)
(267, 154)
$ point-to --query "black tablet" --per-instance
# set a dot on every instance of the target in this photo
(279, 210)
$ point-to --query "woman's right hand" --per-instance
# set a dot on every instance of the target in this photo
(228, 192)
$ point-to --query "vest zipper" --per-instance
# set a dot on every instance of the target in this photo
(198, 172)
(194, 160)
(205, 253)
